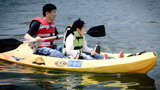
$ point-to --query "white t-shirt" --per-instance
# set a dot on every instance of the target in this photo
(70, 47)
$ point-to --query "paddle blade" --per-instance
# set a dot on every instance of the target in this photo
(97, 31)
(8, 44)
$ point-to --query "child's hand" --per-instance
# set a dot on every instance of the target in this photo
(93, 52)
(83, 54)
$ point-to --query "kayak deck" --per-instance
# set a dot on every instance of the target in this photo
(134, 64)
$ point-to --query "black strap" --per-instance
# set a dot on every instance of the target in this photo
(68, 32)
(142, 52)
(51, 43)
(78, 47)
(79, 38)
(51, 34)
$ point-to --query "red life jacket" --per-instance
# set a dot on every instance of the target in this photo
(46, 30)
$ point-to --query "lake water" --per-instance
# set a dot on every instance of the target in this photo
(131, 26)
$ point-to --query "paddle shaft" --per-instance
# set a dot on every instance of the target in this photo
(34, 40)
(97, 31)
(11, 43)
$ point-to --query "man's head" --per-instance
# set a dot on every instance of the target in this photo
(49, 11)
(79, 26)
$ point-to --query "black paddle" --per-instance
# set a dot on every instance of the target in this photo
(11, 43)
(97, 31)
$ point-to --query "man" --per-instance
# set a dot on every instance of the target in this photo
(42, 27)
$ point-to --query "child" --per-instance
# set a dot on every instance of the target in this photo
(76, 45)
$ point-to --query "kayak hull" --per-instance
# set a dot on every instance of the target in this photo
(135, 64)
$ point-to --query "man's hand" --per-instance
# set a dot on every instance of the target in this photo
(59, 37)
(38, 39)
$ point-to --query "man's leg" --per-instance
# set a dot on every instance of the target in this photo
(51, 52)
(59, 48)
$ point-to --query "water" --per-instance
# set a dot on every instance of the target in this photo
(131, 26)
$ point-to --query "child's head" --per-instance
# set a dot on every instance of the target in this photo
(79, 26)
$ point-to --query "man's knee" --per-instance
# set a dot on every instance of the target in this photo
(59, 48)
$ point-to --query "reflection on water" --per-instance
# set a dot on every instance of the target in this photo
(13, 76)
(122, 81)
(123, 85)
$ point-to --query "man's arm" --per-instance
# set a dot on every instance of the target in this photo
(28, 37)
(32, 32)
(56, 34)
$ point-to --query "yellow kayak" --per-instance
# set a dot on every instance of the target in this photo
(128, 64)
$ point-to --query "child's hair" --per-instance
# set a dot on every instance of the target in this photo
(77, 24)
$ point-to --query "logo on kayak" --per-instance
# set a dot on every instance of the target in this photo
(17, 58)
(74, 63)
(39, 61)
(60, 63)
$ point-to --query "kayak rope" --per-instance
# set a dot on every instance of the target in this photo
(134, 54)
